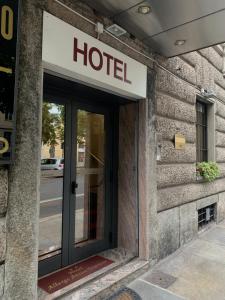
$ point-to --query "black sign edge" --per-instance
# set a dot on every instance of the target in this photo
(9, 161)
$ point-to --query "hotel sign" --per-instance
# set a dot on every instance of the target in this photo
(8, 49)
(75, 54)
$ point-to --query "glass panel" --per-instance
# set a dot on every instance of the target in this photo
(52, 177)
(201, 132)
(90, 194)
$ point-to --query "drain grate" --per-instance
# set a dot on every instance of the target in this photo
(160, 278)
(206, 215)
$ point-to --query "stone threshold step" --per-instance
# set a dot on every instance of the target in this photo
(42, 295)
(119, 256)
(103, 287)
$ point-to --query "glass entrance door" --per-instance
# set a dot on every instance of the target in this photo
(76, 197)
(90, 178)
(90, 182)
(52, 180)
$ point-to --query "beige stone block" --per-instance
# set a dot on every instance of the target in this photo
(220, 92)
(220, 139)
(221, 169)
(218, 78)
(194, 58)
(220, 124)
(175, 174)
(168, 231)
(181, 68)
(171, 107)
(171, 155)
(213, 57)
(206, 73)
(168, 128)
(3, 190)
(2, 275)
(221, 208)
(220, 109)
(175, 87)
(188, 222)
(2, 239)
(207, 201)
(177, 195)
(220, 154)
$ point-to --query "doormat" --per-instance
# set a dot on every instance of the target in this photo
(125, 294)
(62, 278)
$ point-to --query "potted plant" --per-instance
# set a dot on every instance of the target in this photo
(208, 171)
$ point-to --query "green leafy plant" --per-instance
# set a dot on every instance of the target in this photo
(208, 170)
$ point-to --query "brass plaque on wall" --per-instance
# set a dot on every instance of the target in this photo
(179, 141)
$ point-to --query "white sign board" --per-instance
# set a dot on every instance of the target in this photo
(75, 54)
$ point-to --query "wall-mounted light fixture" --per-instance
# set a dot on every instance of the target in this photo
(116, 30)
(208, 93)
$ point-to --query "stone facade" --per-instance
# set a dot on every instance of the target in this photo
(169, 194)
(179, 192)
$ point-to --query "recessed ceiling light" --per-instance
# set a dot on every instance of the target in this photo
(144, 9)
(180, 42)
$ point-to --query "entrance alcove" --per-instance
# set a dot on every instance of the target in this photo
(99, 213)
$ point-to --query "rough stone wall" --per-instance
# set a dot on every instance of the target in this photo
(178, 190)
(24, 174)
(177, 186)
(3, 207)
(19, 210)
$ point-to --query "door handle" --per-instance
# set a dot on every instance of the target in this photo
(74, 186)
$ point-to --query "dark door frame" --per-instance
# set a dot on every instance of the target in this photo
(80, 253)
(72, 102)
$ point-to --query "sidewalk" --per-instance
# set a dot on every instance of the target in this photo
(196, 271)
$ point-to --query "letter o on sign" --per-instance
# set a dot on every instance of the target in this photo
(7, 22)
(5, 147)
(94, 66)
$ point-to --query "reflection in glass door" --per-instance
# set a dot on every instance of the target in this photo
(90, 178)
(52, 178)
(75, 196)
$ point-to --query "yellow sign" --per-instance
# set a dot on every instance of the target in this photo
(179, 141)
(6, 22)
(6, 70)
(5, 147)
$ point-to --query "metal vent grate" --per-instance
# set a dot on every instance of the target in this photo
(206, 215)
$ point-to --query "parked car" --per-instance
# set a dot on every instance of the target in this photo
(52, 164)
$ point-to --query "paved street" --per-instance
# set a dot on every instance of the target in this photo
(195, 272)
(51, 209)
(51, 195)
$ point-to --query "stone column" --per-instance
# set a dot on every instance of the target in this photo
(127, 178)
(21, 265)
(148, 227)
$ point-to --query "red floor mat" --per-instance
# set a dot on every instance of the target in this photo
(62, 278)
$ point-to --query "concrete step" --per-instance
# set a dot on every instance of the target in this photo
(149, 291)
(109, 283)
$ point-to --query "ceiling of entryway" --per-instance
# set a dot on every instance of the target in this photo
(200, 23)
